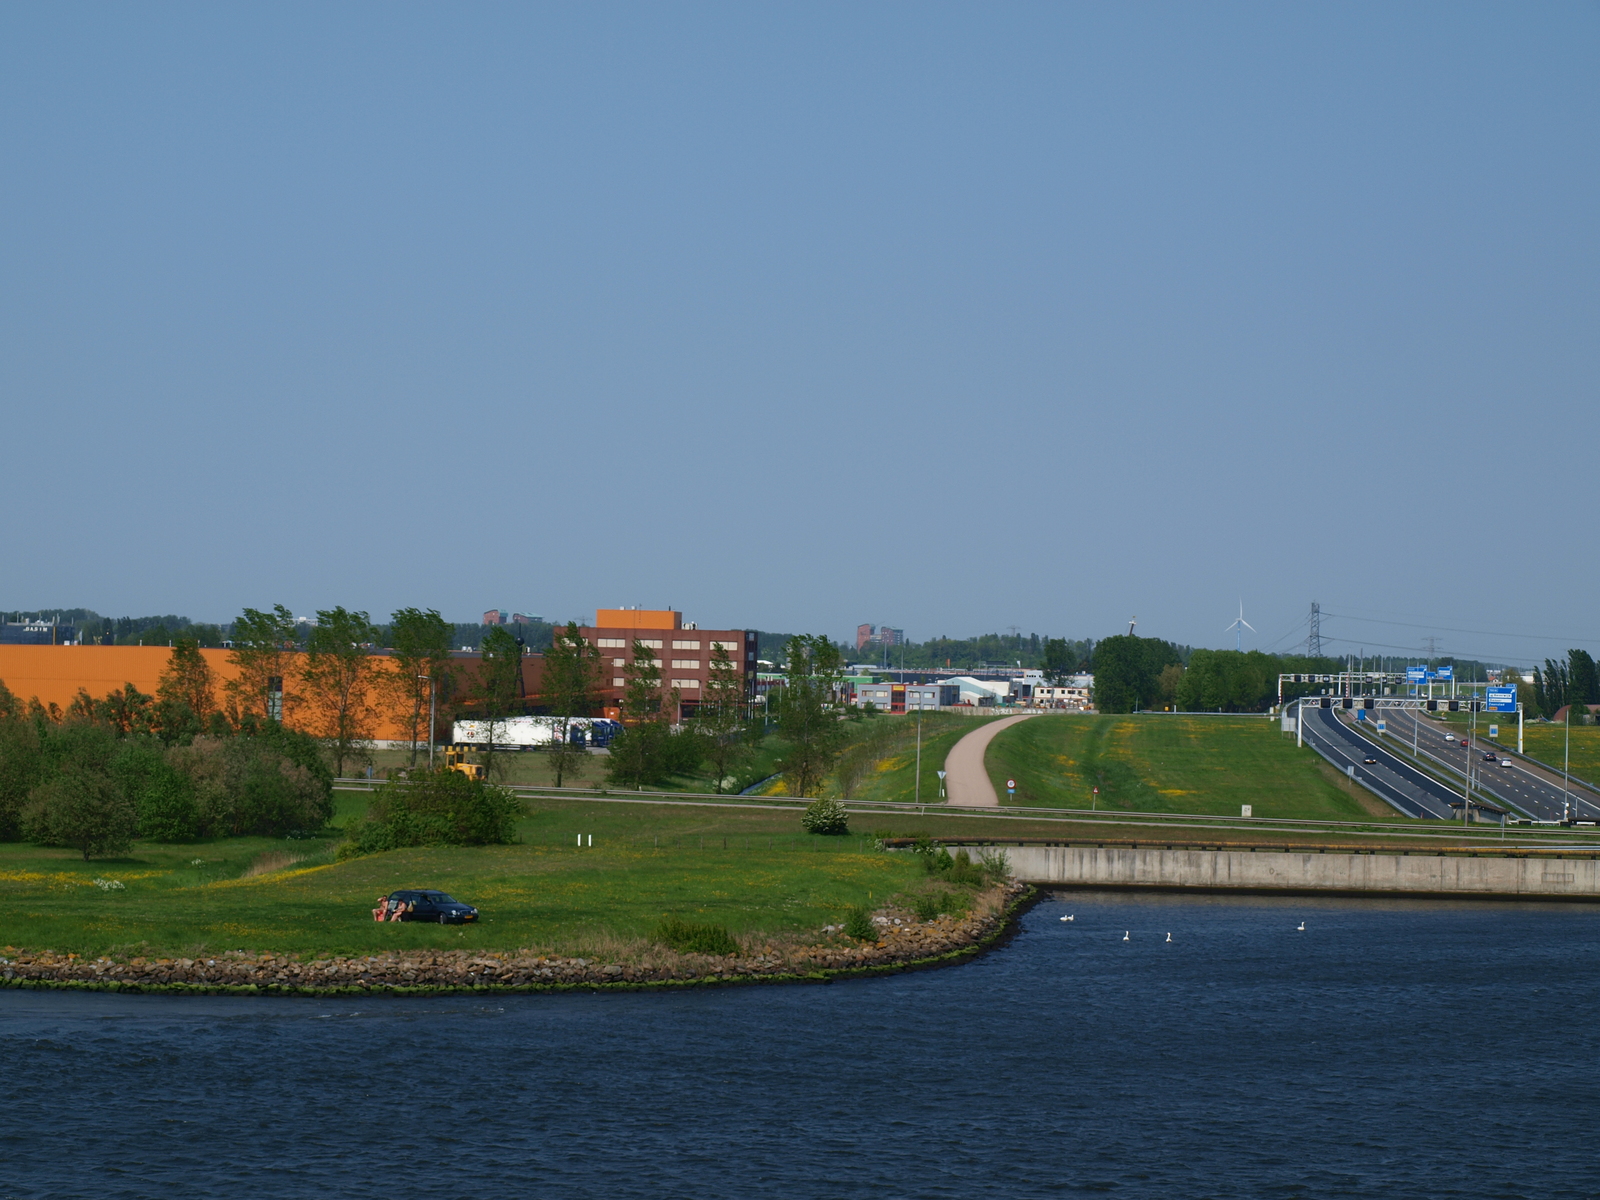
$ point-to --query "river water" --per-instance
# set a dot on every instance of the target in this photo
(1392, 1048)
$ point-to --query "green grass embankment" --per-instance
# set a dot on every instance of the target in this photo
(1208, 765)
(1546, 742)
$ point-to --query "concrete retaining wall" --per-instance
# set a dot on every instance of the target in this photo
(1418, 873)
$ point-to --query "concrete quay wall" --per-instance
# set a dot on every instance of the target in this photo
(1418, 872)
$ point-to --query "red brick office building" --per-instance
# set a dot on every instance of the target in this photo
(683, 652)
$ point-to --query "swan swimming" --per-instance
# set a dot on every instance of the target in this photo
(1302, 927)
(1068, 918)
(1169, 937)
(1124, 935)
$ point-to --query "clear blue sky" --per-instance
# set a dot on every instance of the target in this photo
(796, 316)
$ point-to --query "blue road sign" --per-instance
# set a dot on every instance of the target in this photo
(1446, 672)
(1502, 699)
(1416, 674)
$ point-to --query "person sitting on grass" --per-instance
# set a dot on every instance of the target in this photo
(382, 910)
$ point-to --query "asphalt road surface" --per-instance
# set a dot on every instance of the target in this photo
(1399, 783)
(1526, 788)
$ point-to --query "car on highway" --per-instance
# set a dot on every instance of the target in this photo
(1370, 761)
(1505, 762)
(424, 904)
(1488, 756)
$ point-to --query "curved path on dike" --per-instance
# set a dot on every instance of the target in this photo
(965, 778)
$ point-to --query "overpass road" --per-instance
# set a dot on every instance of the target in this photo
(1395, 780)
(1524, 787)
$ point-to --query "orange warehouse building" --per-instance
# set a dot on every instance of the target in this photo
(55, 674)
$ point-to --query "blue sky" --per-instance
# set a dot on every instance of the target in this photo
(953, 317)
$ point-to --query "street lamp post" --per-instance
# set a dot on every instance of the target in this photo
(429, 678)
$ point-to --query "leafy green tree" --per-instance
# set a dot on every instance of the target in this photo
(264, 654)
(1060, 661)
(81, 805)
(647, 752)
(809, 713)
(1127, 670)
(162, 795)
(21, 762)
(499, 684)
(129, 711)
(268, 784)
(571, 677)
(421, 652)
(1582, 678)
(721, 718)
(188, 681)
(338, 678)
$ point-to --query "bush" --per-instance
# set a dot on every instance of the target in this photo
(859, 926)
(83, 808)
(439, 808)
(263, 784)
(687, 938)
(825, 817)
(928, 905)
(162, 796)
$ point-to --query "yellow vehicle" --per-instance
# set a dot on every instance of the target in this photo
(455, 759)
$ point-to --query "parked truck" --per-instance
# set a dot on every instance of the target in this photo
(531, 733)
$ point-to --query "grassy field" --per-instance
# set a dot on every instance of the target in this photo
(752, 870)
(1172, 764)
(1545, 742)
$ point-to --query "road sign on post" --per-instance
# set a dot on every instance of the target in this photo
(1416, 674)
(1011, 787)
(1502, 699)
(1446, 673)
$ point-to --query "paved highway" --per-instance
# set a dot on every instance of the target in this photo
(1399, 783)
(1524, 787)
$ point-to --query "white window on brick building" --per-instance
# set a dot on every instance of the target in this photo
(611, 643)
(619, 662)
(685, 683)
(686, 664)
(654, 645)
(619, 681)
(730, 647)
(686, 645)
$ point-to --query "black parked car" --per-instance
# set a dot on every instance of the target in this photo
(429, 906)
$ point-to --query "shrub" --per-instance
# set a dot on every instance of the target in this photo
(825, 817)
(439, 808)
(859, 925)
(687, 938)
(162, 796)
(83, 808)
(928, 905)
(256, 784)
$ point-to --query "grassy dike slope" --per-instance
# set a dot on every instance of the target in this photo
(1208, 765)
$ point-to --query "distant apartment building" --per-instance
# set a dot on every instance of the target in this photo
(525, 618)
(873, 635)
(495, 616)
(683, 652)
(907, 697)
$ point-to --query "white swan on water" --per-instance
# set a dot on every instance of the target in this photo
(1169, 937)
(1302, 927)
(1068, 918)
(1124, 935)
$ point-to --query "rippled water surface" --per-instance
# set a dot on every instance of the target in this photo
(1390, 1049)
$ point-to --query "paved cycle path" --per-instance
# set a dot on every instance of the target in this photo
(966, 781)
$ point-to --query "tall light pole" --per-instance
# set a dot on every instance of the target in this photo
(429, 678)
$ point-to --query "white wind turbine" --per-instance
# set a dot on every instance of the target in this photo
(1239, 626)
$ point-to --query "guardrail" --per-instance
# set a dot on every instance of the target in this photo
(1011, 812)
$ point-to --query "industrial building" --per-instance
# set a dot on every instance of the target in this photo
(683, 652)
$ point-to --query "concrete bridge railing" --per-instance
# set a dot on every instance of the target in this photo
(1416, 872)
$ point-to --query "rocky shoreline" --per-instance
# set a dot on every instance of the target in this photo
(903, 944)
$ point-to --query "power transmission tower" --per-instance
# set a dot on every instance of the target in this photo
(1431, 646)
(1314, 636)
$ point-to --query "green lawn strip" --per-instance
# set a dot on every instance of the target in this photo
(895, 778)
(1545, 742)
(1206, 765)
